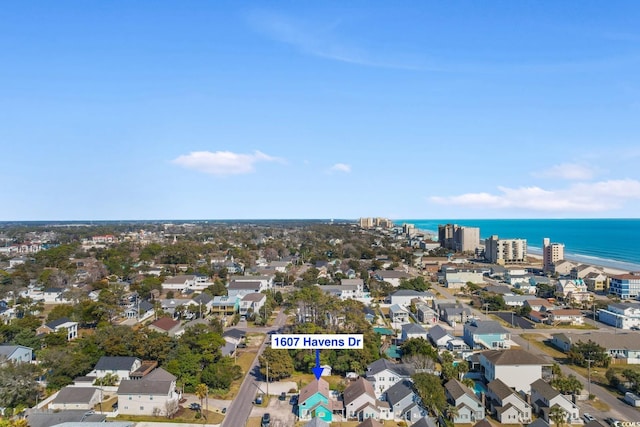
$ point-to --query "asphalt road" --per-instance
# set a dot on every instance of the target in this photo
(240, 408)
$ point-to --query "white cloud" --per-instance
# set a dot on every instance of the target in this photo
(223, 162)
(340, 167)
(568, 171)
(582, 197)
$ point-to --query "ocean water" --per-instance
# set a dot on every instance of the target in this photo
(609, 242)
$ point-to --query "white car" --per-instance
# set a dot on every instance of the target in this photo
(588, 417)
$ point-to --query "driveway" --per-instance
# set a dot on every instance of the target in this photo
(281, 411)
(518, 321)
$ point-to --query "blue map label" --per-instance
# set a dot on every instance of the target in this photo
(314, 341)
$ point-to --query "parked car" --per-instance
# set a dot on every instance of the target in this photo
(612, 421)
(224, 410)
(283, 396)
(266, 420)
(258, 399)
(293, 400)
(588, 417)
(195, 406)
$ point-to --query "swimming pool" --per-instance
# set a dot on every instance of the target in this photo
(479, 387)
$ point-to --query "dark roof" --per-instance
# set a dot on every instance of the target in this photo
(115, 363)
(438, 332)
(401, 369)
(485, 327)
(498, 290)
(499, 388)
(248, 285)
(234, 333)
(456, 390)
(513, 357)
(544, 389)
(357, 389)
(159, 374)
(412, 328)
(317, 422)
(55, 323)
(425, 422)
(203, 298)
(145, 306)
(75, 395)
(144, 387)
(483, 423)
(411, 293)
(399, 391)
(48, 419)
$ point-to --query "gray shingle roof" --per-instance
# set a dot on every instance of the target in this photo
(381, 365)
(159, 374)
(399, 391)
(48, 419)
(544, 389)
(485, 327)
(144, 387)
(55, 323)
(75, 395)
(438, 332)
(412, 328)
(456, 390)
(115, 363)
(513, 357)
(499, 388)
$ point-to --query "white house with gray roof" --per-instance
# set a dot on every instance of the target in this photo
(468, 408)
(413, 330)
(404, 297)
(155, 394)
(121, 366)
(76, 398)
(404, 403)
(486, 334)
(15, 354)
(544, 397)
(383, 374)
(620, 315)
(516, 368)
(507, 405)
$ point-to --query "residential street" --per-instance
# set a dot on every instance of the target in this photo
(240, 408)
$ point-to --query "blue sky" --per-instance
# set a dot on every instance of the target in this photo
(216, 110)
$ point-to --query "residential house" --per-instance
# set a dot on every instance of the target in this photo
(54, 296)
(426, 422)
(234, 335)
(507, 406)
(224, 305)
(166, 325)
(398, 314)
(72, 418)
(538, 304)
(517, 300)
(238, 289)
(76, 398)
(344, 291)
(458, 279)
(413, 330)
(515, 275)
(360, 402)
(452, 313)
(154, 394)
(141, 310)
(393, 277)
(574, 291)
(404, 402)
(565, 316)
(64, 323)
(596, 282)
(203, 301)
(252, 303)
(468, 408)
(369, 314)
(404, 297)
(516, 368)
(622, 347)
(15, 354)
(120, 366)
(621, 315)
(425, 313)
(179, 283)
(317, 422)
(581, 271)
(265, 280)
(383, 374)
(315, 401)
(562, 268)
(439, 337)
(487, 334)
(544, 397)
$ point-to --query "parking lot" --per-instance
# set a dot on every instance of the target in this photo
(281, 412)
(518, 321)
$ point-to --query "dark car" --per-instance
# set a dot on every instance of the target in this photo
(195, 406)
(266, 420)
(283, 396)
(224, 410)
(612, 421)
(293, 400)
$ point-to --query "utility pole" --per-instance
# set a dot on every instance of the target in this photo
(589, 374)
(267, 378)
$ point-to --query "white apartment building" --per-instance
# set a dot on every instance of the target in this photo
(551, 253)
(505, 251)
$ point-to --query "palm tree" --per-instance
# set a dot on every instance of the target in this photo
(202, 391)
(452, 412)
(557, 415)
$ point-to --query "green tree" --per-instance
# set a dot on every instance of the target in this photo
(18, 385)
(279, 361)
(431, 392)
(581, 352)
(414, 346)
(558, 415)
(202, 392)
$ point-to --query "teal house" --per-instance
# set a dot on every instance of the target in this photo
(486, 334)
(315, 401)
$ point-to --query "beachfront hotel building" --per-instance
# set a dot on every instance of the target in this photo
(505, 251)
(551, 253)
(375, 222)
(625, 286)
(458, 238)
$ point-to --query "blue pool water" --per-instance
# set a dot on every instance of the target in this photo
(479, 387)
